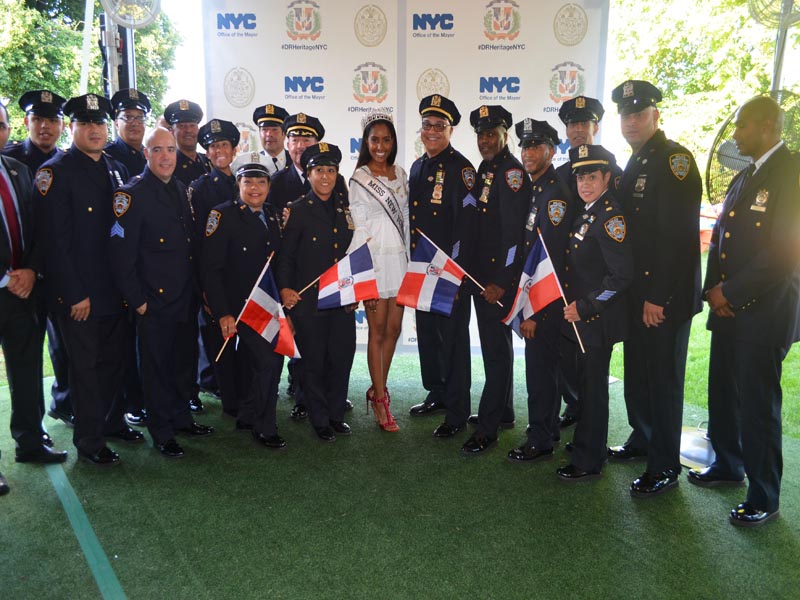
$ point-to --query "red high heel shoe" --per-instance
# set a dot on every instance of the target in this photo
(386, 420)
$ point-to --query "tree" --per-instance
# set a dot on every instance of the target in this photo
(41, 47)
(706, 56)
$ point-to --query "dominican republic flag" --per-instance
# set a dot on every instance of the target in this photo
(263, 313)
(432, 280)
(538, 287)
(350, 280)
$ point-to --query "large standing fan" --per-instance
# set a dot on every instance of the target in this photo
(132, 14)
(724, 160)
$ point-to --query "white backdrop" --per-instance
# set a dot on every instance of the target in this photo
(337, 59)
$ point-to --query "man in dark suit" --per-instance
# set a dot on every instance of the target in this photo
(20, 264)
(752, 287)
(73, 196)
(44, 120)
(660, 193)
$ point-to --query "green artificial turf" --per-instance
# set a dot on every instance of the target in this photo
(379, 515)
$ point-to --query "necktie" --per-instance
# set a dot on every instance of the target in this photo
(263, 218)
(275, 161)
(12, 221)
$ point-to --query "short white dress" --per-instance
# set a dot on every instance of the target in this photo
(387, 246)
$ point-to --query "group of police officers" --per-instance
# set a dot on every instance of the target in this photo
(107, 253)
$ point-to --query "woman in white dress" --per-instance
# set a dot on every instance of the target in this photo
(379, 207)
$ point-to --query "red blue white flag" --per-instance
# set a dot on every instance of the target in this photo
(350, 280)
(263, 313)
(432, 280)
(538, 287)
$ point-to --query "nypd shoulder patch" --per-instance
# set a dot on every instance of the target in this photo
(556, 209)
(44, 179)
(679, 165)
(468, 176)
(514, 179)
(615, 228)
(214, 217)
(122, 202)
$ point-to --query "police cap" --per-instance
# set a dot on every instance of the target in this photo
(89, 108)
(43, 103)
(438, 106)
(252, 170)
(490, 116)
(249, 157)
(319, 155)
(304, 125)
(269, 115)
(588, 158)
(580, 109)
(532, 133)
(217, 130)
(634, 96)
(183, 111)
(130, 98)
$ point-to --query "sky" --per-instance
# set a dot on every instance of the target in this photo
(187, 79)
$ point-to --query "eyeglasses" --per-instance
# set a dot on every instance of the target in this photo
(132, 119)
(437, 127)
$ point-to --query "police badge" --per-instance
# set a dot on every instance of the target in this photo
(468, 176)
(679, 165)
(514, 179)
(44, 179)
(760, 203)
(641, 182)
(214, 218)
(582, 231)
(350, 225)
(122, 202)
(615, 228)
(556, 210)
(531, 218)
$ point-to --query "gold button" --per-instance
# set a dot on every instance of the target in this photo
(637, 209)
(566, 285)
(89, 209)
(722, 277)
(434, 213)
(492, 259)
(567, 250)
(576, 246)
(335, 260)
(647, 273)
(416, 203)
(413, 217)
(727, 234)
(336, 245)
(161, 240)
(335, 230)
(160, 290)
(484, 210)
(723, 256)
(732, 213)
(566, 268)
(758, 223)
(314, 239)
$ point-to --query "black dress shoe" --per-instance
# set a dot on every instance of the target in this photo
(136, 419)
(566, 421)
(171, 449)
(197, 429)
(67, 419)
(214, 392)
(477, 444)
(340, 427)
(105, 457)
(42, 455)
(4, 489)
(47, 440)
(273, 442)
(572, 473)
(128, 435)
(745, 515)
(348, 405)
(326, 434)
(473, 420)
(242, 426)
(426, 408)
(528, 453)
(653, 484)
(299, 413)
(445, 430)
(196, 405)
(625, 453)
(709, 478)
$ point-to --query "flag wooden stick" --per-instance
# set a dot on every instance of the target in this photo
(471, 278)
(241, 312)
(563, 297)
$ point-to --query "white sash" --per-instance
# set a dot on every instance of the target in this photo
(383, 195)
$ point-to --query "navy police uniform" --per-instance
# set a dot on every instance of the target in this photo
(238, 241)
(754, 256)
(660, 193)
(598, 273)
(152, 249)
(73, 192)
(47, 104)
(188, 169)
(442, 205)
(503, 193)
(316, 236)
(132, 158)
(552, 212)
